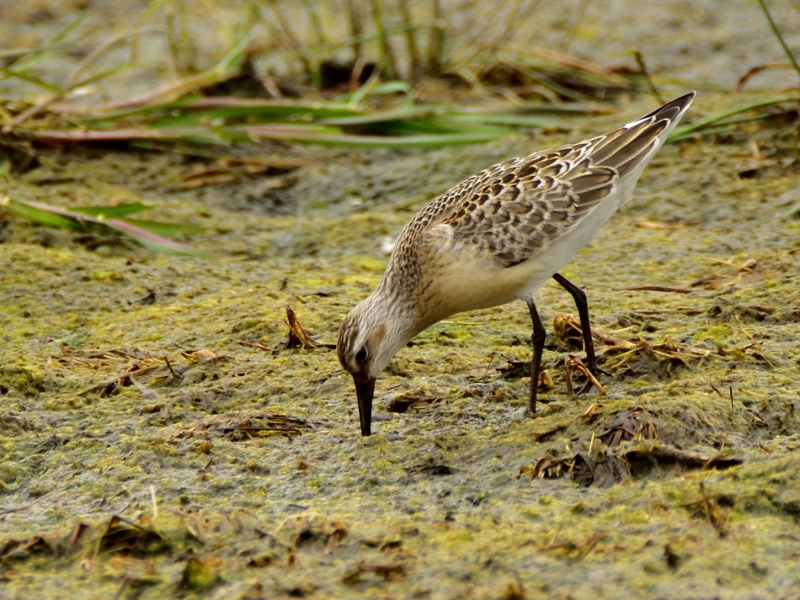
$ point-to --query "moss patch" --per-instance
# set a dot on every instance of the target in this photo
(157, 390)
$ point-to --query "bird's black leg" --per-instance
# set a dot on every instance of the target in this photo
(583, 312)
(537, 339)
(586, 329)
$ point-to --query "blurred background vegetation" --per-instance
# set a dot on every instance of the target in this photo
(196, 77)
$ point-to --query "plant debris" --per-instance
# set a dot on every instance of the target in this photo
(386, 571)
(261, 425)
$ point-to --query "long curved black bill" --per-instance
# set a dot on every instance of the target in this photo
(365, 388)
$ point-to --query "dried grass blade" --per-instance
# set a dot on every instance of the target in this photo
(355, 21)
(415, 61)
(437, 46)
(386, 61)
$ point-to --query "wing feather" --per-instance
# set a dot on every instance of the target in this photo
(514, 209)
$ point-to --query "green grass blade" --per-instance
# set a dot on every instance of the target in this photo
(50, 47)
(793, 212)
(40, 214)
(391, 87)
(95, 114)
(257, 112)
(358, 95)
(719, 127)
(722, 117)
(434, 124)
(153, 240)
(368, 142)
(403, 113)
(200, 135)
(105, 74)
(110, 212)
(7, 73)
(56, 216)
(234, 59)
(432, 133)
(165, 229)
(500, 119)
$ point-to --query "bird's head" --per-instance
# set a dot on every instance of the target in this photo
(369, 337)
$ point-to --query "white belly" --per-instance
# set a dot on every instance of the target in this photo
(463, 280)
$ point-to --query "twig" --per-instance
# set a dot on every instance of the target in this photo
(552, 541)
(221, 72)
(154, 501)
(646, 74)
(709, 508)
(491, 360)
(169, 366)
(588, 544)
(578, 364)
(656, 288)
(143, 389)
(298, 338)
(257, 345)
(755, 70)
(568, 377)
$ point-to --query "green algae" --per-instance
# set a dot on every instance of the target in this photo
(441, 502)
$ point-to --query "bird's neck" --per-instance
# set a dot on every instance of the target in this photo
(397, 303)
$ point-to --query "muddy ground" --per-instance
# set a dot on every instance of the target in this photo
(229, 466)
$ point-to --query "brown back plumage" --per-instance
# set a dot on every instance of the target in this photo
(514, 209)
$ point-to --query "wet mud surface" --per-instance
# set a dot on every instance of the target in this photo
(158, 438)
(124, 370)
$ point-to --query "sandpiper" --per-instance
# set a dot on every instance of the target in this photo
(497, 237)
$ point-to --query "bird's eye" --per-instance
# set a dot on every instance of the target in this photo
(361, 355)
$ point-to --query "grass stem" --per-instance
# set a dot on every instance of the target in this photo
(385, 57)
(778, 35)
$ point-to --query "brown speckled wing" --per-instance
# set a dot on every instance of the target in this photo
(514, 209)
(524, 204)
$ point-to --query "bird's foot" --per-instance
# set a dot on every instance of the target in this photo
(589, 383)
